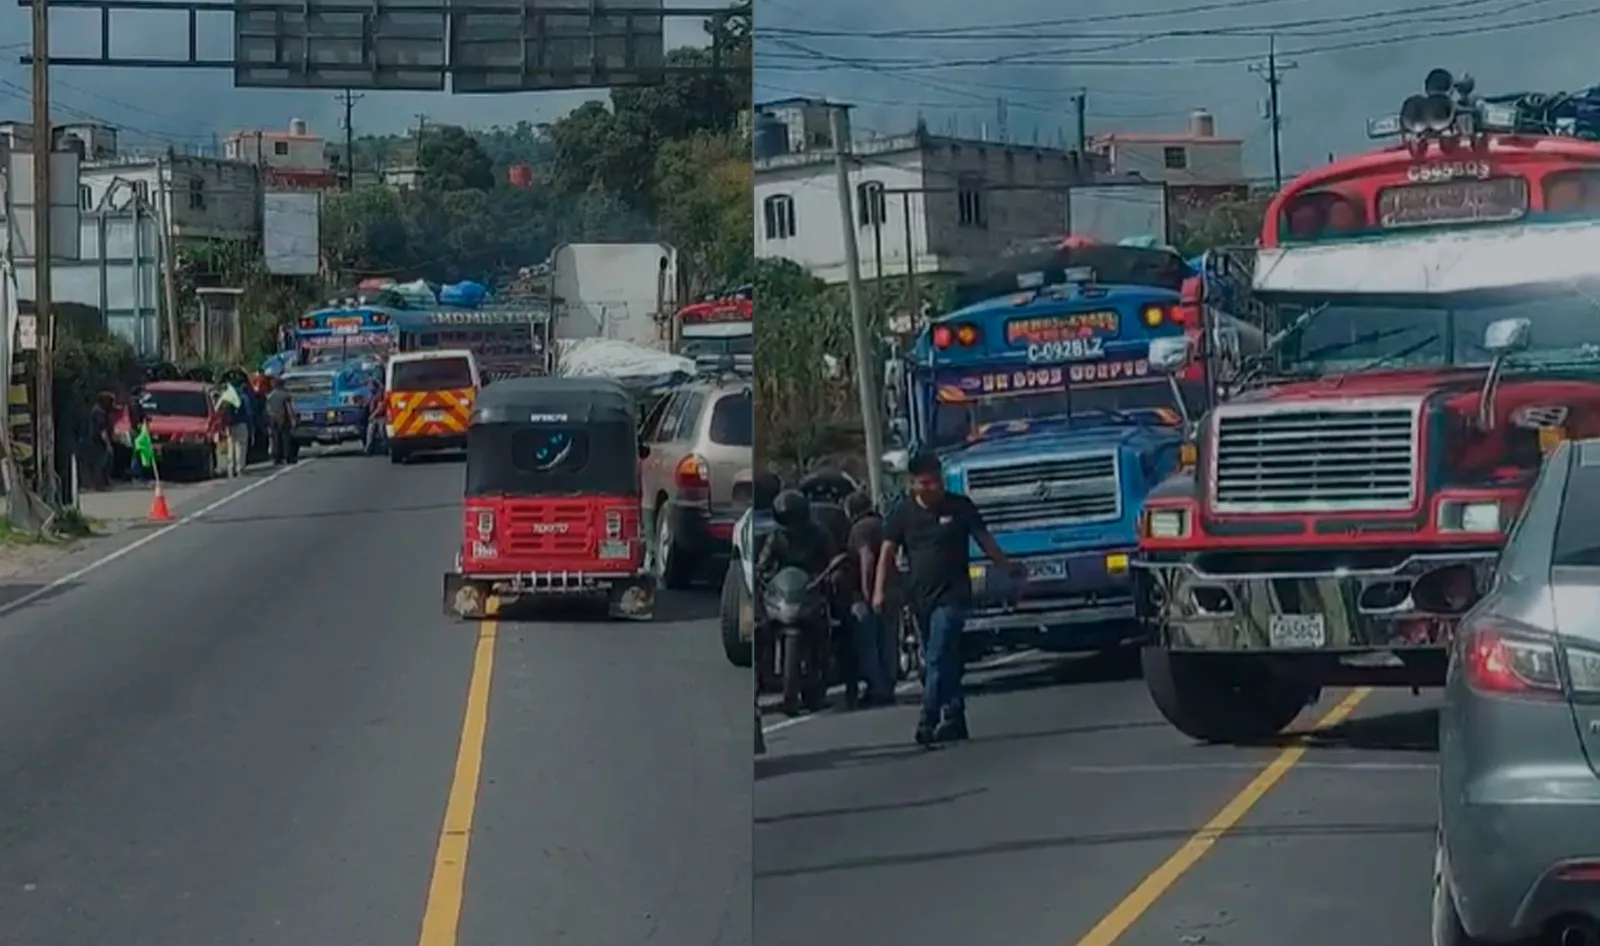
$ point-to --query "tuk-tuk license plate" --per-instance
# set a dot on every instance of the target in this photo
(613, 549)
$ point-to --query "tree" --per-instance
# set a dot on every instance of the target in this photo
(450, 159)
(705, 206)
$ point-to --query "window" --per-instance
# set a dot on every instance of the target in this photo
(430, 374)
(871, 204)
(1176, 158)
(550, 450)
(733, 420)
(969, 202)
(85, 197)
(280, 148)
(779, 213)
(197, 194)
(167, 403)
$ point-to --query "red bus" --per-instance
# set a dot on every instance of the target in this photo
(1434, 332)
(717, 327)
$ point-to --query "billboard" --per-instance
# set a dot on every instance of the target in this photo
(534, 45)
(1111, 213)
(291, 229)
(315, 44)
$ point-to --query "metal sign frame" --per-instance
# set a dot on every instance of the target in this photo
(473, 46)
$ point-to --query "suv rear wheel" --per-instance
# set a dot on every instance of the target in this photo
(675, 565)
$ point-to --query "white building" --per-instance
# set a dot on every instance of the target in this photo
(967, 199)
(289, 158)
(92, 141)
(1196, 159)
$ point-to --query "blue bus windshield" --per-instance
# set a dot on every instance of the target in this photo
(964, 417)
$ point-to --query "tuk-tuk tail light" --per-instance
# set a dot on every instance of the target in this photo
(485, 525)
(614, 524)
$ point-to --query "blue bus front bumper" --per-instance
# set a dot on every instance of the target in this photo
(331, 424)
(1081, 600)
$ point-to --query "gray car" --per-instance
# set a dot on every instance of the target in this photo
(1518, 852)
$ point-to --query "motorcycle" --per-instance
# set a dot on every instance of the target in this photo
(797, 609)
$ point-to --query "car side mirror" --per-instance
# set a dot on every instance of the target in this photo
(1507, 336)
(1169, 355)
(644, 450)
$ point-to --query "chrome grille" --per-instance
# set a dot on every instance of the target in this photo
(309, 385)
(1344, 458)
(1057, 491)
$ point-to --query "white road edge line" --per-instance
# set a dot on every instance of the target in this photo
(902, 689)
(140, 543)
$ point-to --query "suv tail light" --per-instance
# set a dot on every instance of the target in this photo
(692, 478)
(1503, 660)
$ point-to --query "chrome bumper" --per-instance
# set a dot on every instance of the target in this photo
(1357, 608)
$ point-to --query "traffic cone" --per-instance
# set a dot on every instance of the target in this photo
(159, 510)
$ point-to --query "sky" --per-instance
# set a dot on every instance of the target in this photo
(1143, 65)
(186, 108)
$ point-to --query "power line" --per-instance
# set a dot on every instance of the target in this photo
(1272, 73)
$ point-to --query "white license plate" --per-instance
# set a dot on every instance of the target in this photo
(433, 416)
(613, 549)
(1050, 569)
(1298, 631)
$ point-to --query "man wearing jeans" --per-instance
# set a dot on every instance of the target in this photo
(935, 527)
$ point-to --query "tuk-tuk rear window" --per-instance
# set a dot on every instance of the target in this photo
(431, 374)
(550, 450)
(733, 421)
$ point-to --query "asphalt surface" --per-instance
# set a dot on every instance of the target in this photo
(247, 730)
(1070, 796)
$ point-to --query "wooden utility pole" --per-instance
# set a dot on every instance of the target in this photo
(871, 406)
(349, 99)
(1273, 72)
(43, 307)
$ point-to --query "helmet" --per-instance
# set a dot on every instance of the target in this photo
(791, 509)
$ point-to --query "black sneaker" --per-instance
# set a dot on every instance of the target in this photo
(925, 736)
(951, 729)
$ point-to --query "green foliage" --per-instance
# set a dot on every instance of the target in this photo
(450, 159)
(86, 363)
(705, 205)
(267, 301)
(1233, 221)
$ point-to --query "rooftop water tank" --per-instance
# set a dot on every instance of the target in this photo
(1202, 124)
(771, 137)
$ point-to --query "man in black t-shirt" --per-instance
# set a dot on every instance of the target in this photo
(935, 528)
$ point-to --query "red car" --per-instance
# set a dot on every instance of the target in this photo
(184, 424)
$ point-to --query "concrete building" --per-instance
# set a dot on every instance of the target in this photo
(1196, 159)
(200, 198)
(92, 140)
(965, 199)
(289, 158)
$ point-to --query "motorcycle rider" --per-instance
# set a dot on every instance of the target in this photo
(800, 542)
(765, 488)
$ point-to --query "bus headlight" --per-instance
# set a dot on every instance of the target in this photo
(1474, 515)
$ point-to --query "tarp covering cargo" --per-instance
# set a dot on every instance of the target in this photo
(641, 369)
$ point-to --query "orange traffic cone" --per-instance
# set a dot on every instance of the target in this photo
(159, 510)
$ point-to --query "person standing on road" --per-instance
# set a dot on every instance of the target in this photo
(237, 423)
(935, 528)
(280, 419)
(866, 538)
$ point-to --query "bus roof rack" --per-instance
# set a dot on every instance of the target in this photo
(741, 367)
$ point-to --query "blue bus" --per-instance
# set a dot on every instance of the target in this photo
(1039, 397)
(333, 357)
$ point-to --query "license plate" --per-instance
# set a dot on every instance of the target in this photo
(1297, 631)
(1050, 569)
(613, 549)
(433, 416)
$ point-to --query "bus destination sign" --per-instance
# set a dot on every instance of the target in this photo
(1495, 200)
(1060, 328)
(975, 385)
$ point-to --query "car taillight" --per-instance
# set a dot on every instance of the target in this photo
(692, 478)
(1506, 663)
(485, 525)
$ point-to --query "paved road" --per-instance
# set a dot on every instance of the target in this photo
(247, 731)
(1071, 820)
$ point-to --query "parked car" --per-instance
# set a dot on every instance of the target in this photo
(1518, 853)
(701, 437)
(185, 427)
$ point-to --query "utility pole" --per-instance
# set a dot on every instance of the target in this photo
(1080, 104)
(349, 100)
(43, 307)
(871, 416)
(1273, 72)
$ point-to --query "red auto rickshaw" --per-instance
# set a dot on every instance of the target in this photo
(552, 505)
